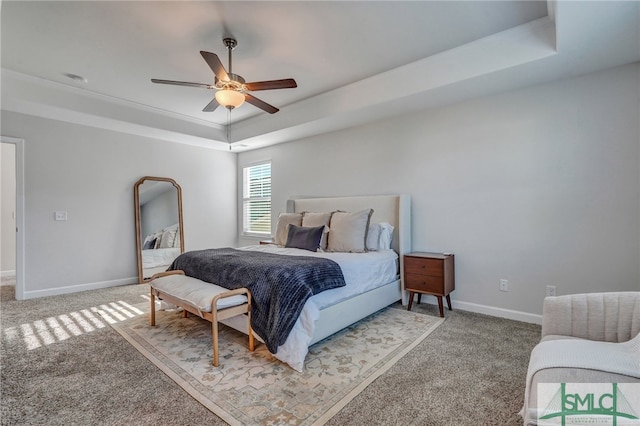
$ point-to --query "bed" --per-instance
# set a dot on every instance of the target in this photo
(373, 279)
(159, 250)
(158, 260)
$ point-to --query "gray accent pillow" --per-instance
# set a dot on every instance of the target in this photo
(284, 220)
(311, 220)
(304, 238)
(149, 244)
(348, 231)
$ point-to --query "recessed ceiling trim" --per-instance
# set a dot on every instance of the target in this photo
(83, 91)
(525, 43)
(101, 122)
(33, 96)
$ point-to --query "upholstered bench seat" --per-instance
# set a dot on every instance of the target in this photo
(195, 292)
(208, 301)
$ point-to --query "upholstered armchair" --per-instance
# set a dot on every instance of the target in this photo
(586, 338)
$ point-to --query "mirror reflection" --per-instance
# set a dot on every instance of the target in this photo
(159, 233)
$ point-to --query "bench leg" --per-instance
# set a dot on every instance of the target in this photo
(152, 317)
(251, 342)
(214, 334)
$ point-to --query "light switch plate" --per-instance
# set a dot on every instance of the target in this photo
(504, 285)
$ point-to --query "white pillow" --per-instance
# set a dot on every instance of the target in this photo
(168, 237)
(285, 219)
(348, 231)
(373, 237)
(176, 240)
(313, 220)
(386, 236)
(379, 236)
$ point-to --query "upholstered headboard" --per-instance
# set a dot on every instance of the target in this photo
(395, 209)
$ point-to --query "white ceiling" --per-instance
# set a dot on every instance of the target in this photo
(354, 62)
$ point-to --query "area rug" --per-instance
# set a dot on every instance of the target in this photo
(254, 388)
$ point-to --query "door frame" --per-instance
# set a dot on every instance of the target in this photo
(20, 228)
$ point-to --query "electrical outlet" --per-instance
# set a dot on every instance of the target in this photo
(551, 290)
(504, 285)
(60, 215)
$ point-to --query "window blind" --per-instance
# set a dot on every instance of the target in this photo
(257, 199)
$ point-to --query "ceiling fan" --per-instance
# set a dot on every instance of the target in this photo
(231, 89)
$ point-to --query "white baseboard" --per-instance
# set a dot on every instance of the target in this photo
(8, 273)
(489, 310)
(32, 294)
(456, 304)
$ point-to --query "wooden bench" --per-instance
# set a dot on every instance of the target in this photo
(208, 301)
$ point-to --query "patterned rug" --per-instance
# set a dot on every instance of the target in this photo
(257, 389)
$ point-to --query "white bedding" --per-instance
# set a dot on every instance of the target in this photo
(362, 272)
(159, 257)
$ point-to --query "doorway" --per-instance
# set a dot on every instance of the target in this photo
(12, 212)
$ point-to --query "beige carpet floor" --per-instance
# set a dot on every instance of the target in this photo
(469, 371)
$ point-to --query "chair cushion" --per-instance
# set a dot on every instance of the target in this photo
(575, 360)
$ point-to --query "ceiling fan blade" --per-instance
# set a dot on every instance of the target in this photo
(260, 104)
(211, 106)
(182, 83)
(287, 83)
(216, 66)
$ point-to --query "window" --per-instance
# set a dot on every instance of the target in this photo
(256, 200)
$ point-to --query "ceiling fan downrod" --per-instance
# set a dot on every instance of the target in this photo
(231, 43)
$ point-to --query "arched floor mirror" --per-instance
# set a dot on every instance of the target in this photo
(159, 228)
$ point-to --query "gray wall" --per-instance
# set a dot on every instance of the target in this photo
(540, 186)
(90, 173)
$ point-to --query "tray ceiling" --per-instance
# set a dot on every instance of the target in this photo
(354, 61)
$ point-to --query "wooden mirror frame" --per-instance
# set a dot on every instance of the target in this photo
(136, 197)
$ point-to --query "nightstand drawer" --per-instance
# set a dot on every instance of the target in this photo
(421, 282)
(415, 265)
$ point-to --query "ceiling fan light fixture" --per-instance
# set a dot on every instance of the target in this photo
(229, 99)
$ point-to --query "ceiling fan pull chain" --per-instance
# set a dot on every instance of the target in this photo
(229, 128)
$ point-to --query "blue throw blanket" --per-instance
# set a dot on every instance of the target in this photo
(280, 285)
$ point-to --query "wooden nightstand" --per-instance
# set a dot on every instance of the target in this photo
(429, 273)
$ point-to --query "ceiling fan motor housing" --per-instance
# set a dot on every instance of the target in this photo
(235, 82)
(236, 77)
